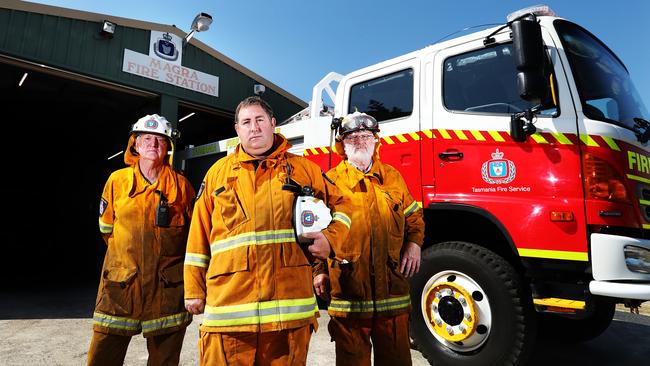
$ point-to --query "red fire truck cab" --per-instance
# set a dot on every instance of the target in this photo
(527, 147)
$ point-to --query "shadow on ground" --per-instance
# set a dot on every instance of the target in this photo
(625, 342)
(48, 303)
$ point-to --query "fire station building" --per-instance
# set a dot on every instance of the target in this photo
(72, 85)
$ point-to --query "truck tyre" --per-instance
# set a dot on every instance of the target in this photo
(558, 328)
(470, 307)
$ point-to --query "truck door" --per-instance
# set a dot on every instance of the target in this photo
(391, 95)
(476, 162)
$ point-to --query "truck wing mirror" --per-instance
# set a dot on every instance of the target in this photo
(530, 59)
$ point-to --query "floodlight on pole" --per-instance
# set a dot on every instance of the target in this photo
(201, 23)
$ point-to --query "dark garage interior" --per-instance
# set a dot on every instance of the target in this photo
(59, 134)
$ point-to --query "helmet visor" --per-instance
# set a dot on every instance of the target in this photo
(357, 123)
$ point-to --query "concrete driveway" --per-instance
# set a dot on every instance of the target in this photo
(54, 328)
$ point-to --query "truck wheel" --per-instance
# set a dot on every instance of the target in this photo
(557, 328)
(470, 308)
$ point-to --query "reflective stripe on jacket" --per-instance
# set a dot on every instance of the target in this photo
(242, 256)
(141, 286)
(365, 277)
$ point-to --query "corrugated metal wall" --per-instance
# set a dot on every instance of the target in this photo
(75, 45)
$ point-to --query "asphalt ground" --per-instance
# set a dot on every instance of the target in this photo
(54, 328)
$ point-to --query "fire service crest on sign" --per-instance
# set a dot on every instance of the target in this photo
(498, 170)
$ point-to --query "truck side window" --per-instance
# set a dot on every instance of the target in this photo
(483, 81)
(386, 97)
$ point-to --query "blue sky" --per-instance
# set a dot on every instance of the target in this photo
(294, 43)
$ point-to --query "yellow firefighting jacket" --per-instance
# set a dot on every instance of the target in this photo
(242, 256)
(141, 286)
(365, 277)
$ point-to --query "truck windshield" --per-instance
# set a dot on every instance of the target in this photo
(604, 84)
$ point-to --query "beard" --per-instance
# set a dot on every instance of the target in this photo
(359, 156)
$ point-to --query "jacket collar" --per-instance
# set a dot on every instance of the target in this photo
(280, 147)
(165, 183)
(354, 175)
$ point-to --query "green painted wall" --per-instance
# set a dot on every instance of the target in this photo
(75, 45)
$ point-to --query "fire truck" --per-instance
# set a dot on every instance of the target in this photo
(526, 145)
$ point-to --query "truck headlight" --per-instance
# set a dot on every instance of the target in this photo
(637, 259)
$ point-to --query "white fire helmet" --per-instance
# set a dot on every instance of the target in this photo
(153, 123)
(310, 216)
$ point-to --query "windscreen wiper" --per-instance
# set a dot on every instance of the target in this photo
(641, 129)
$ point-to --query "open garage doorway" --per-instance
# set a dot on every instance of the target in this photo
(64, 134)
(58, 136)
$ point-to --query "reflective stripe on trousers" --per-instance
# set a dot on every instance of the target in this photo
(370, 305)
(260, 312)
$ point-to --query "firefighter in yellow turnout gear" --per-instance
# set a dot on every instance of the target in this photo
(144, 218)
(367, 281)
(243, 267)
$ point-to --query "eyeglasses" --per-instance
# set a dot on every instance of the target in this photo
(359, 138)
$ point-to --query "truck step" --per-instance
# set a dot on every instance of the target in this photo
(556, 305)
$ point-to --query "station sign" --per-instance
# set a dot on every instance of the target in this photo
(164, 64)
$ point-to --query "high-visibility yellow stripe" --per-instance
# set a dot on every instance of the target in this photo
(365, 306)
(414, 136)
(260, 312)
(559, 136)
(252, 238)
(343, 218)
(554, 254)
(646, 226)
(611, 143)
(170, 321)
(412, 208)
(105, 228)
(589, 141)
(116, 322)
(197, 260)
(644, 202)
(539, 138)
(477, 135)
(496, 136)
(461, 135)
(420, 204)
(638, 179)
(561, 303)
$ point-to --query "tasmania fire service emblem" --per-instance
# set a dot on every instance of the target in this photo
(165, 48)
(308, 218)
(498, 170)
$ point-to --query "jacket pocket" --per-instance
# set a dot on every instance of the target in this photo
(397, 283)
(293, 256)
(171, 282)
(396, 220)
(174, 238)
(347, 281)
(230, 206)
(228, 262)
(117, 291)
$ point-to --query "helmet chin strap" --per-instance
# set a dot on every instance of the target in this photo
(336, 124)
